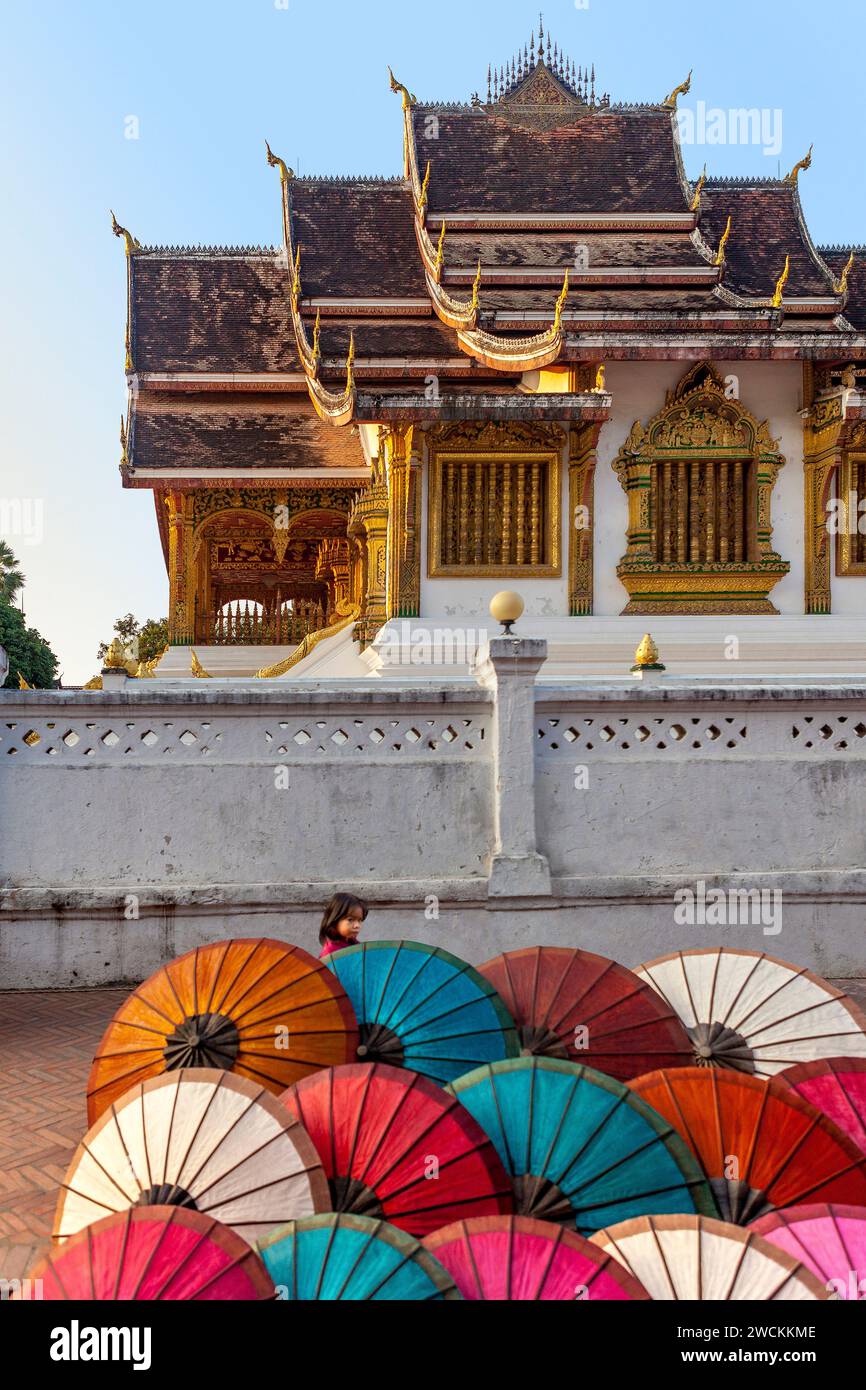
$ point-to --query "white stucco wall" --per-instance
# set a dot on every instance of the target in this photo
(140, 822)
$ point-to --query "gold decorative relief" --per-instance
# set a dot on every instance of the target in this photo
(699, 481)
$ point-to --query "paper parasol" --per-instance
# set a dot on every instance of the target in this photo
(696, 1258)
(153, 1253)
(749, 1012)
(830, 1240)
(513, 1258)
(587, 1009)
(837, 1087)
(420, 1007)
(396, 1147)
(348, 1258)
(260, 1008)
(581, 1149)
(203, 1139)
(760, 1144)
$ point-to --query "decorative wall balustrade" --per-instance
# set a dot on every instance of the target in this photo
(243, 625)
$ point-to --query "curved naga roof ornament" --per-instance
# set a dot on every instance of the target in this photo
(682, 90)
(840, 286)
(337, 408)
(799, 168)
(518, 354)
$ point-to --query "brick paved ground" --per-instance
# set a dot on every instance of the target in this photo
(47, 1040)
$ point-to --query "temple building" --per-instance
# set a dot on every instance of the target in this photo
(543, 359)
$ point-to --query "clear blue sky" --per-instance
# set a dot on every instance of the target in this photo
(208, 80)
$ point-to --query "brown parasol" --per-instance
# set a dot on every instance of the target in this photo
(585, 1008)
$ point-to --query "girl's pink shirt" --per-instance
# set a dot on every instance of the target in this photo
(330, 947)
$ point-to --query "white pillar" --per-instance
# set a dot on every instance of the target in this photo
(508, 667)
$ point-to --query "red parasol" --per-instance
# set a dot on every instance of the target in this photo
(836, 1087)
(396, 1147)
(588, 1009)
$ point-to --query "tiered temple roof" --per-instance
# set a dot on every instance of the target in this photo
(456, 271)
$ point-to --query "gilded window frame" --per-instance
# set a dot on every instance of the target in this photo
(551, 461)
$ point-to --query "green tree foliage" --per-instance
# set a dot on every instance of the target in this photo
(28, 652)
(152, 636)
(11, 578)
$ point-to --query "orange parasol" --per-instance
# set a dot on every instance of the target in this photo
(760, 1144)
(264, 1009)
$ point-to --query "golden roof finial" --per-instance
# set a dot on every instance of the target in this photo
(129, 241)
(350, 364)
(560, 305)
(425, 189)
(198, 670)
(799, 168)
(841, 286)
(646, 658)
(781, 283)
(296, 275)
(276, 163)
(115, 658)
(476, 288)
(22, 684)
(682, 90)
(440, 254)
(720, 254)
(124, 440)
(317, 331)
(408, 98)
(696, 200)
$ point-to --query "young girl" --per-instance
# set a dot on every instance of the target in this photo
(341, 923)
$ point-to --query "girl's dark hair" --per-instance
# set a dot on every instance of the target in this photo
(339, 907)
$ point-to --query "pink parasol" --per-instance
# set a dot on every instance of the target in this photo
(153, 1253)
(828, 1240)
(837, 1087)
(516, 1258)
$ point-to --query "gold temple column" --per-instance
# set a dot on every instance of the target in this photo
(582, 446)
(402, 451)
(823, 442)
(181, 578)
(636, 478)
(368, 523)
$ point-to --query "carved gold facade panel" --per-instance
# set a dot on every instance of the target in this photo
(851, 497)
(823, 443)
(699, 481)
(583, 442)
(402, 445)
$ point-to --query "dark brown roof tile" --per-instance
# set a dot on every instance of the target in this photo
(606, 161)
(237, 433)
